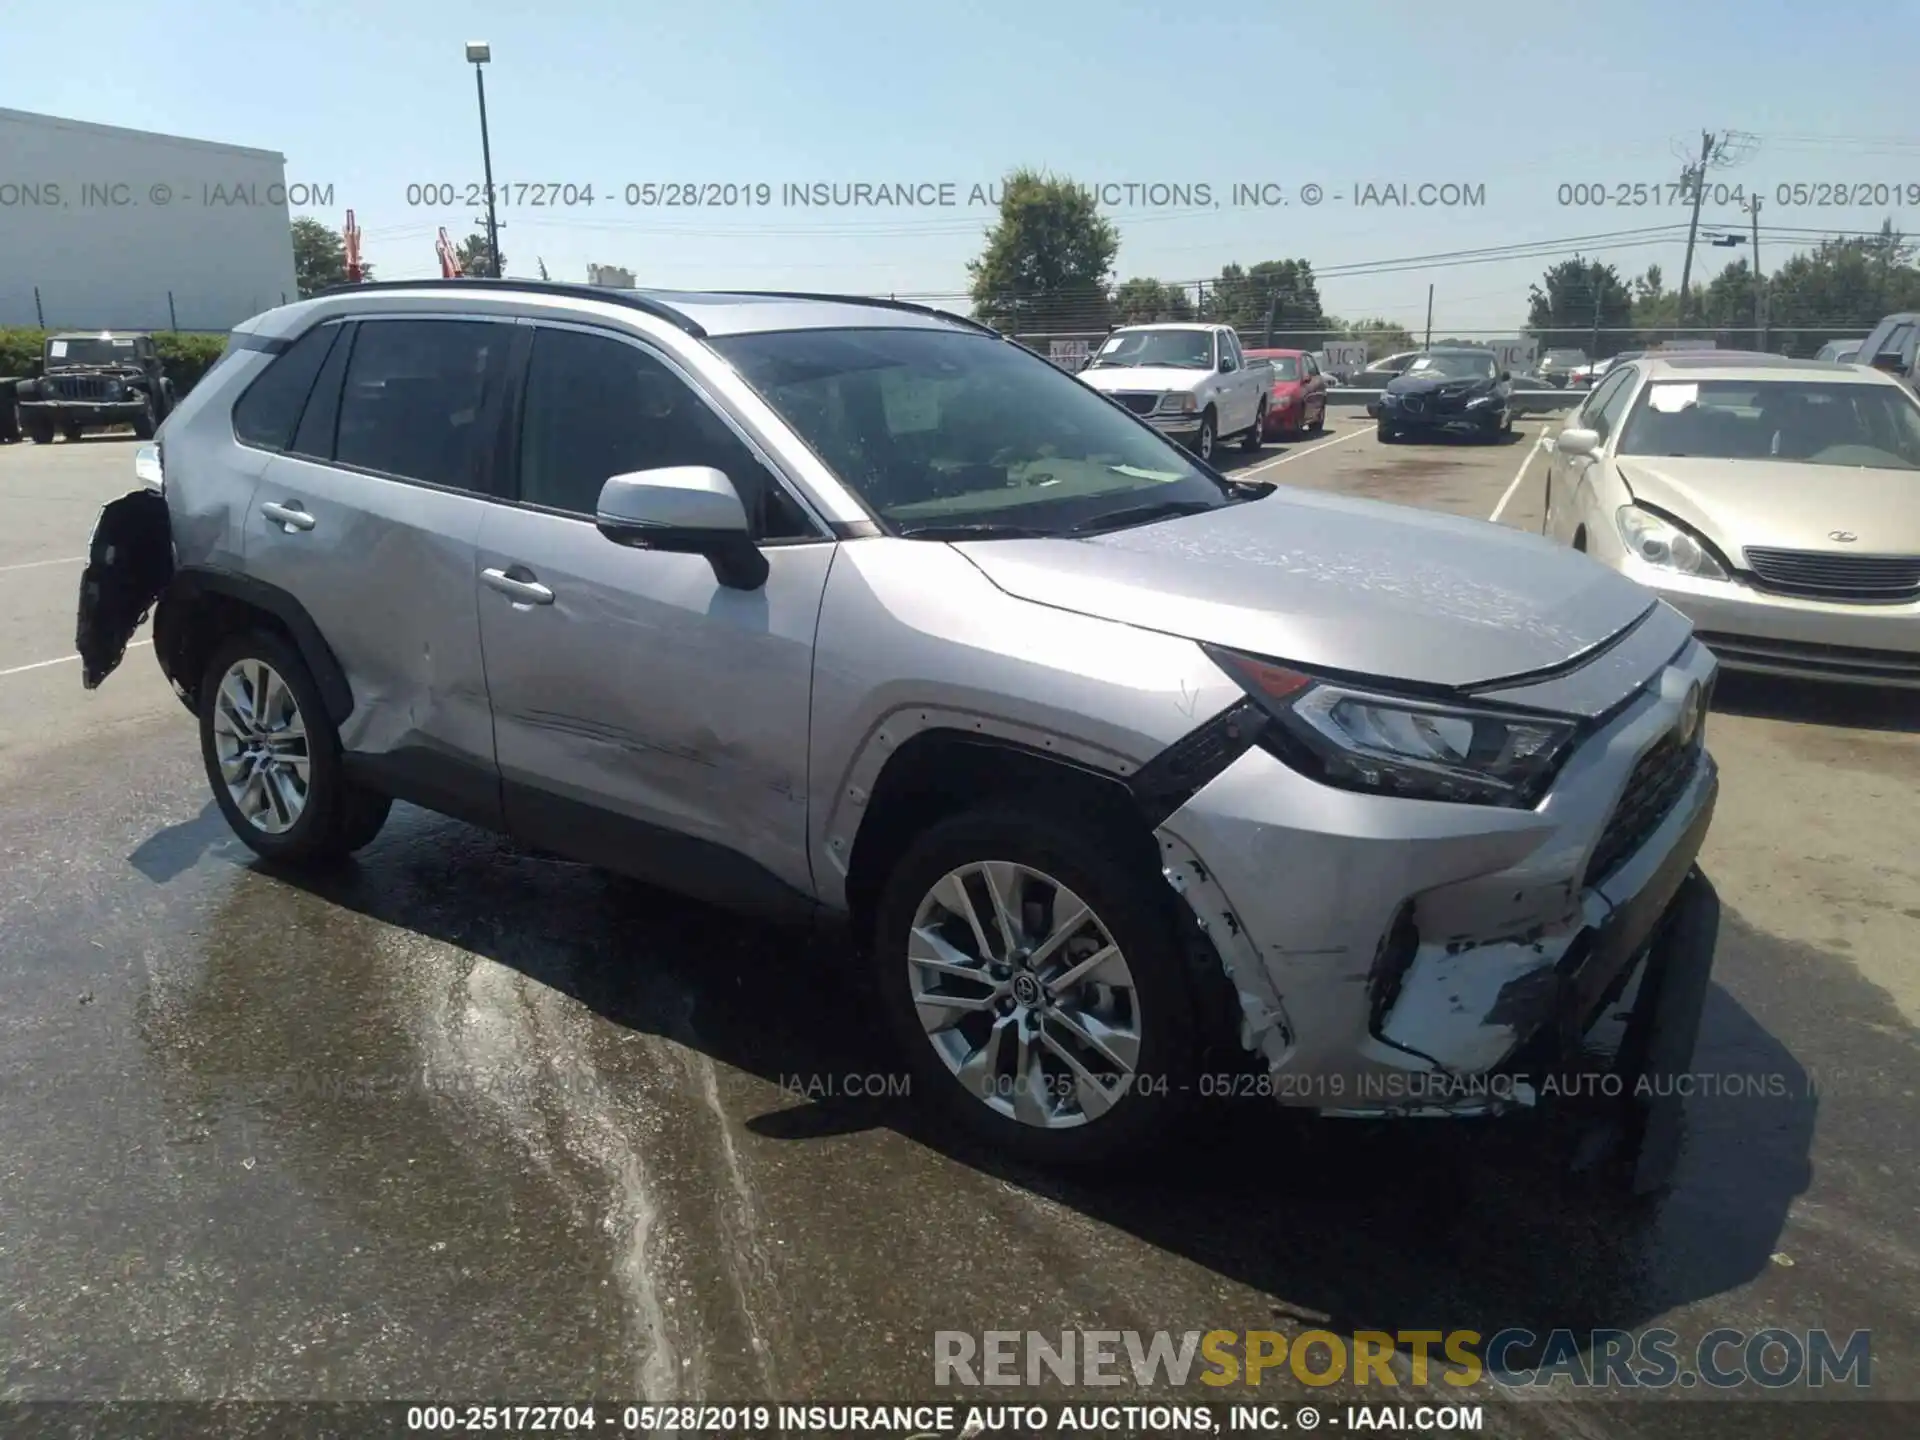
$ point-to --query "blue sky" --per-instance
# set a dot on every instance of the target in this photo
(1521, 98)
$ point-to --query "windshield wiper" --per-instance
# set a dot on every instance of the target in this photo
(976, 530)
(1140, 515)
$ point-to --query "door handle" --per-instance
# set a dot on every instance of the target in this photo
(525, 592)
(290, 517)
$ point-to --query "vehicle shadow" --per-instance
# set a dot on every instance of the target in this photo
(1803, 702)
(1346, 1225)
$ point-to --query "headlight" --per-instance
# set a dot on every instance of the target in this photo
(1480, 400)
(147, 469)
(1665, 545)
(115, 389)
(1387, 397)
(1386, 744)
(1177, 404)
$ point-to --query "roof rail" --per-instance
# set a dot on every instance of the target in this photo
(888, 304)
(632, 299)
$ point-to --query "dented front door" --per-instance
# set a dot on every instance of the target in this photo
(638, 703)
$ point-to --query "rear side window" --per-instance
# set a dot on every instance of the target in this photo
(265, 416)
(418, 397)
(314, 438)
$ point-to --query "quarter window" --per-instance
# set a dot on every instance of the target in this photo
(418, 396)
(265, 416)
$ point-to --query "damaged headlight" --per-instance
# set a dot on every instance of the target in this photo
(1659, 542)
(1384, 744)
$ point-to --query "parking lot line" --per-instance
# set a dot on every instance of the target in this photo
(61, 660)
(1295, 454)
(37, 564)
(1499, 509)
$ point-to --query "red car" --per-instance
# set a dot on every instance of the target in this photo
(1299, 401)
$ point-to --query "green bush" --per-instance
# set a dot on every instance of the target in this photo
(184, 356)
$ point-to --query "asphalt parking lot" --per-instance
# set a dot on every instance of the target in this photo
(461, 1122)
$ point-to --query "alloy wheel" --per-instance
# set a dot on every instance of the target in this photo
(260, 741)
(1024, 994)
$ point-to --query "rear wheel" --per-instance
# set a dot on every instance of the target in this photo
(1252, 440)
(273, 756)
(1033, 973)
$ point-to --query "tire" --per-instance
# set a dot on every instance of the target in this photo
(148, 420)
(1203, 443)
(73, 432)
(332, 817)
(1256, 437)
(1318, 423)
(1148, 1003)
(40, 432)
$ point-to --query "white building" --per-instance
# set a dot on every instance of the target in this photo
(123, 229)
(611, 275)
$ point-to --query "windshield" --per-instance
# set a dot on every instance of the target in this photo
(89, 350)
(1565, 357)
(1285, 367)
(938, 429)
(1455, 366)
(1838, 423)
(1179, 349)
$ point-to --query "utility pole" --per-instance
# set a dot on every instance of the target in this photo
(1273, 304)
(1593, 351)
(1429, 344)
(478, 54)
(1759, 285)
(1698, 173)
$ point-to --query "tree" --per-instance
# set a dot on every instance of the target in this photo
(1578, 297)
(320, 258)
(1047, 258)
(1282, 292)
(1143, 301)
(1383, 337)
(473, 256)
(1841, 290)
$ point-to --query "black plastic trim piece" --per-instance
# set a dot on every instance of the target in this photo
(856, 529)
(875, 301)
(268, 344)
(437, 780)
(1177, 773)
(632, 299)
(191, 582)
(699, 869)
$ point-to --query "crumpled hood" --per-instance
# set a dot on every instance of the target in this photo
(1143, 377)
(1430, 384)
(1338, 583)
(1782, 503)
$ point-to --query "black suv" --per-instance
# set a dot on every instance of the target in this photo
(94, 379)
(1449, 388)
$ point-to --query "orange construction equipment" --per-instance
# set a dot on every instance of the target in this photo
(352, 237)
(449, 257)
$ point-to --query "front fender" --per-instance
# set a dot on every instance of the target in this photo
(129, 563)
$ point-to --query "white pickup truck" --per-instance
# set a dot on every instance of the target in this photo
(1190, 382)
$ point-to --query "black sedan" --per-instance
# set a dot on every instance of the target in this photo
(1461, 390)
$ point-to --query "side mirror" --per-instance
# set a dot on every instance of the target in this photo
(1888, 360)
(1575, 441)
(688, 510)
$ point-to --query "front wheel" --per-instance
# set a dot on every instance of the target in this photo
(40, 432)
(1032, 971)
(73, 432)
(273, 756)
(1204, 440)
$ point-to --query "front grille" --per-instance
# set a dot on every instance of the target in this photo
(1842, 662)
(1139, 404)
(1653, 788)
(1829, 575)
(79, 387)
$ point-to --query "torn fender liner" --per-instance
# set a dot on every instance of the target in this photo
(129, 561)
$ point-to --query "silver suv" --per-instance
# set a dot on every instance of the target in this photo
(1138, 783)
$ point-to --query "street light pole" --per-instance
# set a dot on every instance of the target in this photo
(479, 53)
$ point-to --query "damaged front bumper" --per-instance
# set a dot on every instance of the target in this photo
(129, 562)
(1399, 957)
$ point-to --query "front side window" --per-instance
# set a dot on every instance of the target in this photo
(1173, 349)
(417, 398)
(597, 407)
(937, 429)
(1285, 367)
(1842, 423)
